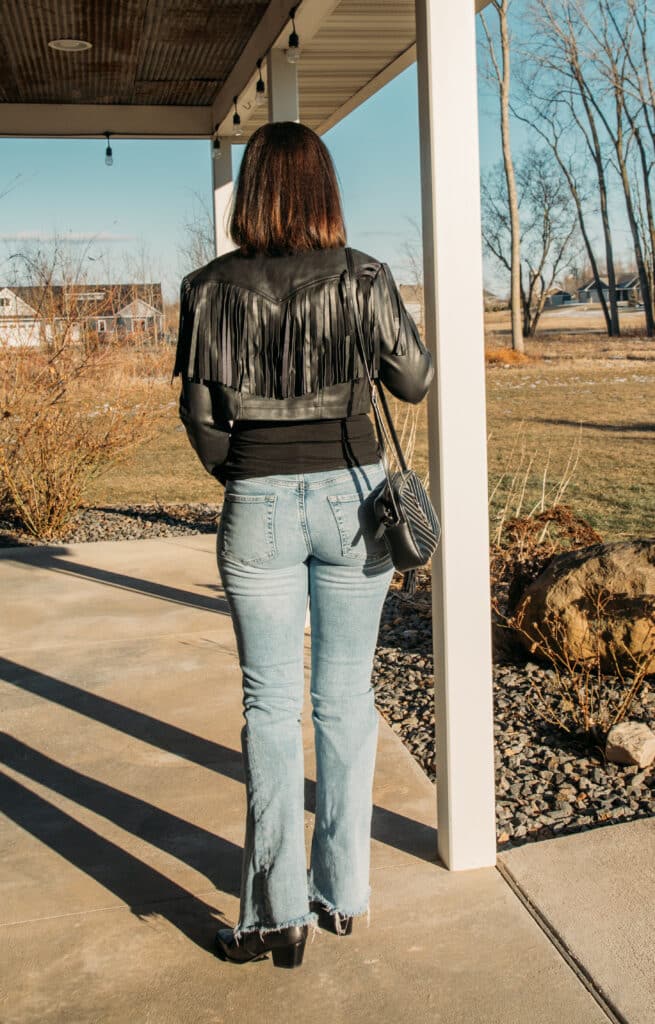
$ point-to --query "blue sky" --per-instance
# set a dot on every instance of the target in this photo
(141, 203)
(134, 211)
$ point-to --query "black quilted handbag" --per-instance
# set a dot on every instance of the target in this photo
(407, 519)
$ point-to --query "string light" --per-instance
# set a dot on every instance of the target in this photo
(293, 50)
(109, 156)
(236, 120)
(260, 88)
(216, 148)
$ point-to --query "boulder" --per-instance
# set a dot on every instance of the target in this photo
(595, 602)
(630, 743)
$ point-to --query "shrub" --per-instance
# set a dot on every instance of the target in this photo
(68, 413)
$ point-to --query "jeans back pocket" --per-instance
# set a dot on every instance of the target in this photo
(357, 527)
(246, 532)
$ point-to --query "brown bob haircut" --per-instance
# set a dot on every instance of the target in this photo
(287, 197)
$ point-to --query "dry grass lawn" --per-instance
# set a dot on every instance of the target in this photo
(582, 401)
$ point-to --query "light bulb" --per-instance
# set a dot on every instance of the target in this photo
(260, 93)
(293, 51)
(109, 156)
(236, 126)
(216, 149)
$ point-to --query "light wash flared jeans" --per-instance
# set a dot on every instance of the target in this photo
(282, 540)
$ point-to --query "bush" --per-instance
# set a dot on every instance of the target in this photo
(68, 413)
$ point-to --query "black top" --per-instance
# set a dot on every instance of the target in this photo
(263, 448)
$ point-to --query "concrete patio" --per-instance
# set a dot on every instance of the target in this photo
(122, 788)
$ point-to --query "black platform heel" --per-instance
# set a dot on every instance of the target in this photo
(289, 956)
(287, 946)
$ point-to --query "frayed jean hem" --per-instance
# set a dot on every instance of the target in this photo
(364, 908)
(310, 919)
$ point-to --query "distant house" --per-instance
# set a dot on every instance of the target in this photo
(590, 292)
(31, 315)
(557, 297)
(628, 288)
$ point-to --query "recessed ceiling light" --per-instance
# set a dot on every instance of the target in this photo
(70, 45)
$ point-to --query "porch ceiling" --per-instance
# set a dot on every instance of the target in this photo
(175, 52)
(170, 68)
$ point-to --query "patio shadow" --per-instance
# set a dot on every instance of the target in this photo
(144, 889)
(52, 559)
(216, 858)
(389, 827)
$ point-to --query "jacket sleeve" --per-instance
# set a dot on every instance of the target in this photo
(406, 368)
(207, 430)
(208, 434)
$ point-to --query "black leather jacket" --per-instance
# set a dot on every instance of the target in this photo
(271, 338)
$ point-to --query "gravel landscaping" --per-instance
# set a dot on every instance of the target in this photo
(547, 784)
(128, 522)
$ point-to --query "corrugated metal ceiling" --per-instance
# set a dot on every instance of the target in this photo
(176, 52)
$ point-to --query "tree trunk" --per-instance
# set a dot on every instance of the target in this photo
(512, 195)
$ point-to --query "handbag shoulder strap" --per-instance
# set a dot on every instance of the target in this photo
(388, 431)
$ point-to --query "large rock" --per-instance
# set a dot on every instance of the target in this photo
(592, 600)
(630, 743)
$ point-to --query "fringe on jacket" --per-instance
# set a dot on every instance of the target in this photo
(276, 349)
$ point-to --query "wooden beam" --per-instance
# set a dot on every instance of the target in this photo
(92, 120)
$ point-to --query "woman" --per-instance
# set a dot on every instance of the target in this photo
(275, 402)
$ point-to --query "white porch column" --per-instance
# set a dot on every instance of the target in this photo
(452, 255)
(223, 185)
(282, 83)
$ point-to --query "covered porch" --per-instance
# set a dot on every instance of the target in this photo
(118, 727)
(160, 71)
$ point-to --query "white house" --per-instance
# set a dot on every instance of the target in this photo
(19, 321)
(31, 314)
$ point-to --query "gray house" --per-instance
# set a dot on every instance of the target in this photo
(558, 297)
(628, 288)
(32, 314)
(590, 292)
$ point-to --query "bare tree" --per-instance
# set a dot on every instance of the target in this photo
(543, 115)
(197, 245)
(549, 241)
(614, 39)
(413, 251)
(557, 53)
(501, 70)
(549, 236)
